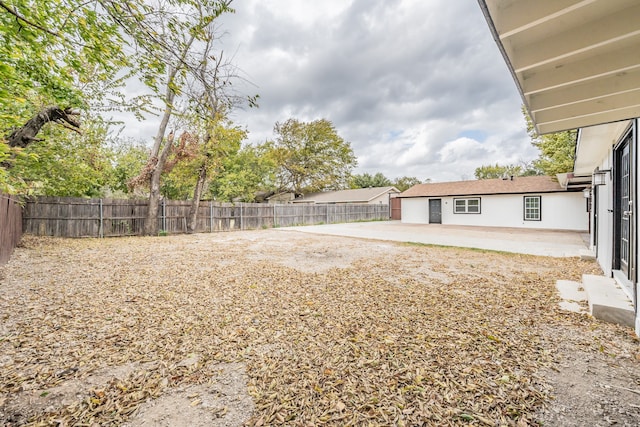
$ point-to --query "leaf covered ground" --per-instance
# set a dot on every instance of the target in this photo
(301, 330)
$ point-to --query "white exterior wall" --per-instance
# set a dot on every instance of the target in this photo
(560, 211)
(604, 227)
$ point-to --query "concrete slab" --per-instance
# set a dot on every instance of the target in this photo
(571, 291)
(572, 294)
(517, 240)
(587, 255)
(571, 306)
(607, 301)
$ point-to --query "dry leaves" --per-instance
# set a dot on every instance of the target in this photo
(369, 335)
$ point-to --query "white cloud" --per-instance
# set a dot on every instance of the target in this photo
(418, 87)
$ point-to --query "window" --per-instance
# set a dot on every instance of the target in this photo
(466, 206)
(532, 211)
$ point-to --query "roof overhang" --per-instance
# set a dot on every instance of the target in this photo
(594, 144)
(571, 181)
(575, 62)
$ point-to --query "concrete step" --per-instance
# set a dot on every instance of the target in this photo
(572, 294)
(587, 255)
(607, 301)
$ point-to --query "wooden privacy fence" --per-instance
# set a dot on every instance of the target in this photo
(10, 225)
(75, 217)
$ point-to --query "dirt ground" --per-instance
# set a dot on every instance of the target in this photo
(276, 327)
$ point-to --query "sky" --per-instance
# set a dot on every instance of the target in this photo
(417, 87)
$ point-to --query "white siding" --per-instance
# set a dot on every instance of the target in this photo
(604, 227)
(560, 211)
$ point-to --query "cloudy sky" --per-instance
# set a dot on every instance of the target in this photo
(418, 87)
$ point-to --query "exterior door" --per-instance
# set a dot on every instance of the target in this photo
(623, 209)
(435, 211)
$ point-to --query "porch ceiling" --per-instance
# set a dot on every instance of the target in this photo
(593, 144)
(576, 62)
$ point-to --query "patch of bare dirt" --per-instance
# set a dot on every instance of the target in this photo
(282, 328)
(222, 402)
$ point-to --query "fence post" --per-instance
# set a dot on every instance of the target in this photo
(101, 229)
(241, 222)
(164, 215)
(210, 217)
(275, 218)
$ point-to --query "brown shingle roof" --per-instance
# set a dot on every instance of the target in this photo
(519, 184)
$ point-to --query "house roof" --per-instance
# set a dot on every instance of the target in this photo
(519, 185)
(359, 195)
(575, 62)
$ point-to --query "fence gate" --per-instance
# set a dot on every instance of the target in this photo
(396, 211)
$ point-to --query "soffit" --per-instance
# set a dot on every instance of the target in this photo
(576, 62)
(594, 143)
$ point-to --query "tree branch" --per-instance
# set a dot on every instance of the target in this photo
(25, 20)
(27, 134)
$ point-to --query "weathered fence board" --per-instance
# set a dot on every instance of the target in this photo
(72, 217)
(10, 226)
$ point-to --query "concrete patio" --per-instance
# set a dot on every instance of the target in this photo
(517, 240)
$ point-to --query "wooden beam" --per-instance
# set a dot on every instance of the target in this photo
(626, 59)
(592, 90)
(596, 118)
(522, 15)
(587, 108)
(586, 37)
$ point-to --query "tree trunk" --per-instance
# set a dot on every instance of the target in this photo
(27, 133)
(195, 203)
(151, 224)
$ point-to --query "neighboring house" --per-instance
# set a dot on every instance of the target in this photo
(373, 195)
(526, 202)
(577, 66)
(281, 198)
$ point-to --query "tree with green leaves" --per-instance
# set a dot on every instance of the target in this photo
(129, 157)
(497, 171)
(367, 180)
(405, 182)
(92, 46)
(247, 173)
(73, 165)
(557, 150)
(174, 55)
(57, 61)
(502, 171)
(311, 157)
(221, 140)
(51, 56)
